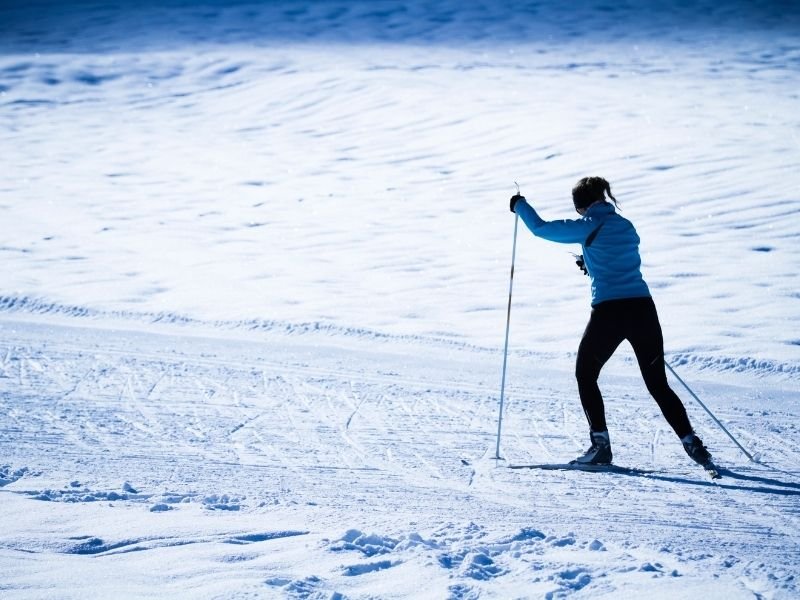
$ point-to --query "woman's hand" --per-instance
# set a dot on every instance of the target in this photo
(581, 263)
(514, 199)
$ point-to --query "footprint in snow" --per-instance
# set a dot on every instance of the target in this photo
(221, 502)
(560, 542)
(367, 544)
(9, 475)
(569, 581)
(308, 587)
(479, 566)
(461, 592)
(251, 538)
(362, 569)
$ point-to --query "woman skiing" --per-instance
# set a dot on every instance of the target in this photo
(622, 309)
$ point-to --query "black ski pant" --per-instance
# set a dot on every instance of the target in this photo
(635, 320)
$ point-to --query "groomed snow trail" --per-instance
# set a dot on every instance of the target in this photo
(315, 465)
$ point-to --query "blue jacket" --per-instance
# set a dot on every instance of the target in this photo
(612, 258)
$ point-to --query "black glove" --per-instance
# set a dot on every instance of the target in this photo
(581, 264)
(514, 199)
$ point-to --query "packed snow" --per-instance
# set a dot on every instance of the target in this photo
(253, 291)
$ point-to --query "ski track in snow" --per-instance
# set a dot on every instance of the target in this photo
(353, 471)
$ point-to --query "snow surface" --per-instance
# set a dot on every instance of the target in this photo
(253, 287)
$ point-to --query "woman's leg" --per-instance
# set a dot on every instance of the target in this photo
(602, 336)
(648, 344)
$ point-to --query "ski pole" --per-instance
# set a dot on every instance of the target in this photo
(505, 349)
(716, 420)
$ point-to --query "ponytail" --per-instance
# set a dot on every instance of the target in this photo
(607, 188)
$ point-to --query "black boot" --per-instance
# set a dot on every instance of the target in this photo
(600, 451)
(696, 450)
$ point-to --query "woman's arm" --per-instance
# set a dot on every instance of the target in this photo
(565, 231)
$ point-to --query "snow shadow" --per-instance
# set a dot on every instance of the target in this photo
(777, 487)
(790, 487)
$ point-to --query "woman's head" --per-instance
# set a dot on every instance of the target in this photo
(590, 190)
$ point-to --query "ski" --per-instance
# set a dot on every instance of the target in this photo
(585, 467)
(710, 468)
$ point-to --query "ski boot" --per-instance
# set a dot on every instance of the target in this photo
(696, 450)
(600, 451)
